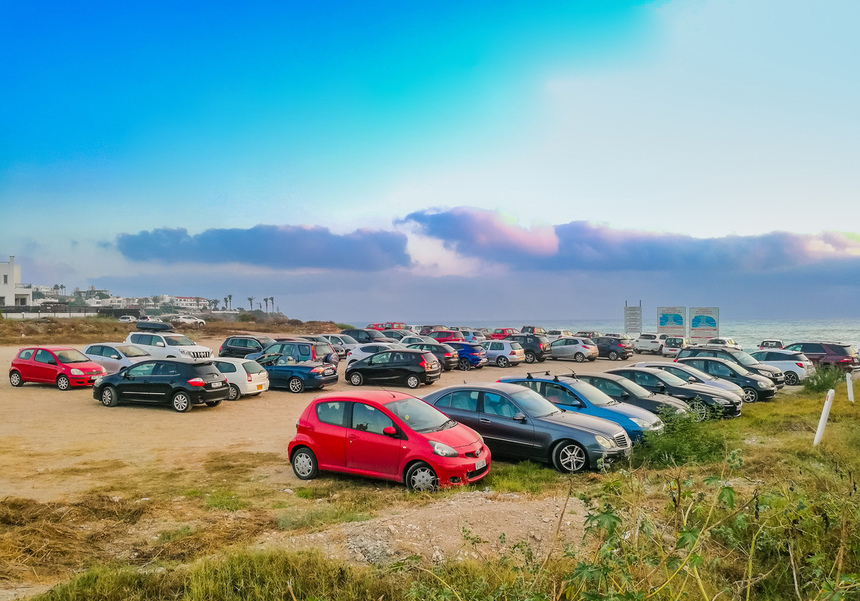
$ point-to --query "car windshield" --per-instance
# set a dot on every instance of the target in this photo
(178, 341)
(593, 395)
(745, 359)
(346, 339)
(375, 334)
(633, 388)
(737, 368)
(132, 351)
(265, 341)
(670, 379)
(533, 403)
(420, 416)
(71, 356)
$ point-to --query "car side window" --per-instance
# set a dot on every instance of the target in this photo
(559, 395)
(332, 413)
(43, 356)
(497, 346)
(610, 388)
(141, 370)
(809, 347)
(225, 367)
(496, 404)
(466, 400)
(380, 359)
(644, 379)
(166, 369)
(720, 370)
(695, 363)
(369, 419)
(25, 354)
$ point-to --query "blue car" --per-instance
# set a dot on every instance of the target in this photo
(572, 394)
(471, 354)
(297, 376)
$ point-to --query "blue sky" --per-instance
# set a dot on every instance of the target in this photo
(440, 161)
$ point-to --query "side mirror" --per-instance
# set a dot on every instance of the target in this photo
(390, 431)
(520, 417)
(159, 343)
(115, 357)
(691, 380)
(625, 395)
(125, 375)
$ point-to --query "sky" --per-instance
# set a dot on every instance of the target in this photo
(438, 162)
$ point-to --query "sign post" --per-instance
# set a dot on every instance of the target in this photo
(632, 318)
(672, 321)
(704, 324)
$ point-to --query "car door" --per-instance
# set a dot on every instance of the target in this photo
(379, 368)
(368, 448)
(163, 380)
(503, 433)
(135, 382)
(44, 366)
(110, 358)
(330, 433)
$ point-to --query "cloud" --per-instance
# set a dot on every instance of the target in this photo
(277, 247)
(585, 246)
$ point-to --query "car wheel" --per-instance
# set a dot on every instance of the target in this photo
(296, 384)
(235, 393)
(412, 381)
(108, 396)
(63, 382)
(464, 364)
(305, 464)
(530, 357)
(420, 477)
(613, 356)
(502, 361)
(541, 359)
(579, 357)
(181, 402)
(15, 379)
(791, 378)
(213, 403)
(569, 457)
(699, 410)
(356, 379)
(750, 394)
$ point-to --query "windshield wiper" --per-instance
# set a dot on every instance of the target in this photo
(448, 424)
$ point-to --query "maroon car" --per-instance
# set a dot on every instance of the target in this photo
(66, 367)
(833, 354)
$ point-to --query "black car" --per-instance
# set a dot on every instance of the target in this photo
(407, 366)
(704, 401)
(297, 376)
(517, 422)
(447, 355)
(627, 391)
(536, 346)
(240, 346)
(754, 386)
(613, 348)
(734, 355)
(175, 382)
(365, 336)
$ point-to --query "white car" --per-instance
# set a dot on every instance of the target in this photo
(169, 345)
(794, 365)
(244, 376)
(188, 320)
(366, 350)
(114, 356)
(674, 344)
(127, 319)
(341, 343)
(650, 343)
(729, 342)
(556, 334)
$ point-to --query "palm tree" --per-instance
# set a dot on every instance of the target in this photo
(251, 302)
(266, 300)
(225, 303)
(272, 300)
(229, 301)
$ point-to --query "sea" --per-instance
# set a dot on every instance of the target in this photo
(747, 333)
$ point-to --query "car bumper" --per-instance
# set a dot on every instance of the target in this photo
(478, 361)
(459, 471)
(209, 395)
(606, 457)
(254, 387)
(319, 381)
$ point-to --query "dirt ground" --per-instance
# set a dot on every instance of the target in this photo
(56, 447)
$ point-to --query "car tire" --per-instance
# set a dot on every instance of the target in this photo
(63, 382)
(541, 359)
(15, 378)
(213, 403)
(569, 457)
(420, 477)
(296, 385)
(412, 381)
(530, 357)
(699, 410)
(750, 394)
(613, 356)
(108, 397)
(464, 364)
(234, 393)
(304, 463)
(502, 361)
(181, 402)
(791, 379)
(356, 379)
(579, 357)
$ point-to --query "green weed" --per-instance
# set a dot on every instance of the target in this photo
(823, 379)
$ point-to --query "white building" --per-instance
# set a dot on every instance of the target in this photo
(12, 291)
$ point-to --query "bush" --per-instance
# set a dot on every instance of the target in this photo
(823, 379)
(682, 441)
(247, 317)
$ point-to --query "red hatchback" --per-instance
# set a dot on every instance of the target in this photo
(388, 435)
(63, 366)
(447, 336)
(502, 333)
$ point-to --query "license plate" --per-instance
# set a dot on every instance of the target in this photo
(217, 384)
(259, 387)
(480, 464)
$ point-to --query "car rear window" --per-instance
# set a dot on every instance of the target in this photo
(476, 347)
(429, 357)
(516, 346)
(838, 349)
(252, 367)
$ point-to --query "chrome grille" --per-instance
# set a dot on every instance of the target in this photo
(200, 354)
(621, 440)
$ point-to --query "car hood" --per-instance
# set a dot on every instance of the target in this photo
(456, 437)
(570, 419)
(668, 400)
(628, 410)
(764, 368)
(723, 385)
(695, 388)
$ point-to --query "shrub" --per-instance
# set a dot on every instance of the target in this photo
(823, 379)
(247, 317)
(683, 440)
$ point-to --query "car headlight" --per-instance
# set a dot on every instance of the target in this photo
(77, 372)
(640, 422)
(765, 384)
(604, 442)
(97, 381)
(442, 450)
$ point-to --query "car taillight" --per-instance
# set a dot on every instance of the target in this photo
(317, 370)
(513, 353)
(449, 354)
(249, 377)
(422, 363)
(846, 360)
(799, 364)
(196, 382)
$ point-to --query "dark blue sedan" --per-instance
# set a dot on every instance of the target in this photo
(297, 376)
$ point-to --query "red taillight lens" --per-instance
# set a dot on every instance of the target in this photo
(449, 354)
(197, 382)
(249, 377)
(799, 364)
(513, 353)
(846, 360)
(422, 363)
(317, 370)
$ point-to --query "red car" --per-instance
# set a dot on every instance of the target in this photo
(501, 333)
(60, 365)
(388, 325)
(388, 435)
(441, 336)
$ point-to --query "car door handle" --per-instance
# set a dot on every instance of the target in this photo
(485, 421)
